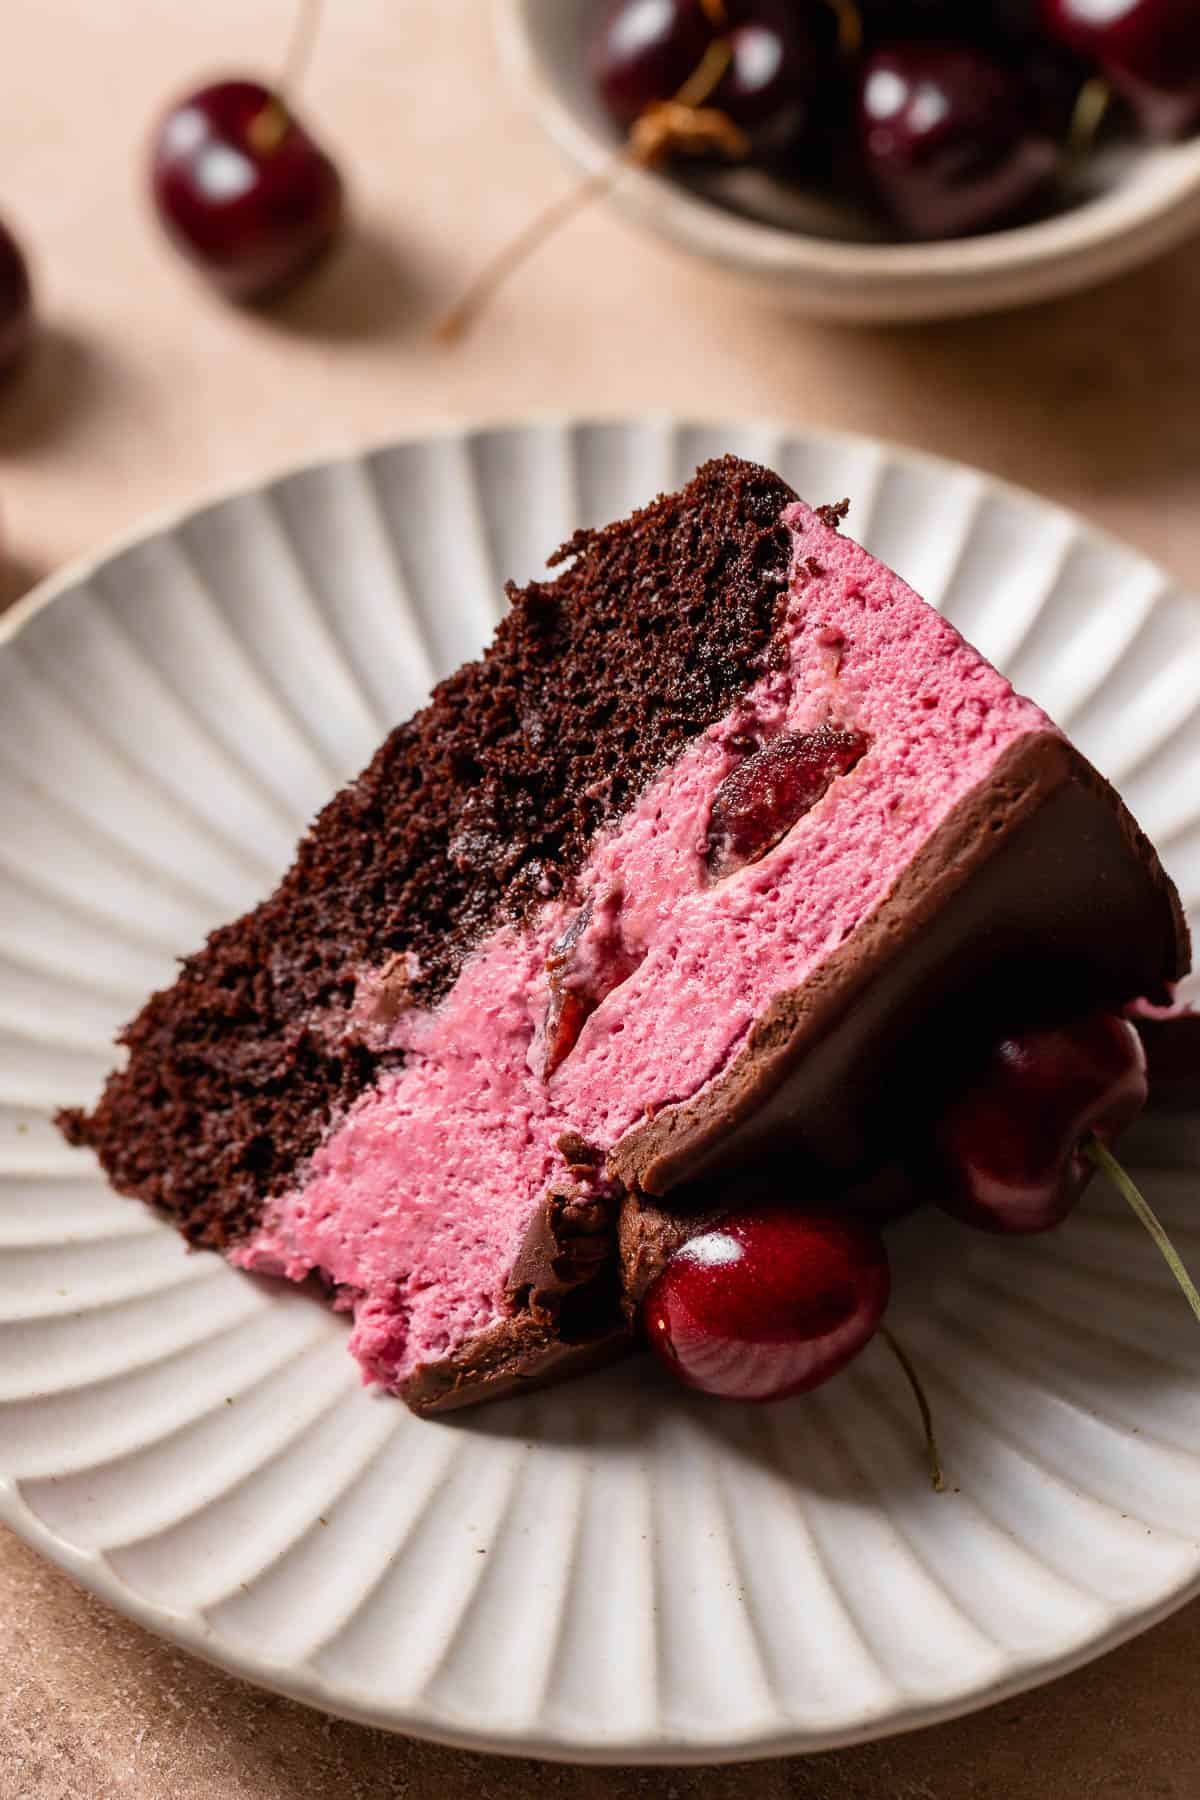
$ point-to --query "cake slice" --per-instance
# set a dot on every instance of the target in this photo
(712, 858)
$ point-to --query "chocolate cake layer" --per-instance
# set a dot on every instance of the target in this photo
(481, 806)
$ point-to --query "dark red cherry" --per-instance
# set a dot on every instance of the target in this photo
(761, 799)
(776, 65)
(1149, 48)
(645, 50)
(948, 141)
(1011, 1150)
(242, 189)
(16, 302)
(1009, 30)
(768, 1302)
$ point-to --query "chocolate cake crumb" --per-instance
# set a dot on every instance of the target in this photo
(577, 544)
(473, 813)
(834, 514)
(577, 1153)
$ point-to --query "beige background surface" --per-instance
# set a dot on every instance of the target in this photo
(147, 391)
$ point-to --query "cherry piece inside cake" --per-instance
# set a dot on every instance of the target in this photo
(714, 858)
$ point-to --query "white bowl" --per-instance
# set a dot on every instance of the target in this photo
(1143, 201)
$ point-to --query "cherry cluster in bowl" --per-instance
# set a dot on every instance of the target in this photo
(777, 1296)
(951, 116)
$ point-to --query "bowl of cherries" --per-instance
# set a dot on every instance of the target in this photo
(882, 159)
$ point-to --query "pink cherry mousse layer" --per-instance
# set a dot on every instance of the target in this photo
(873, 720)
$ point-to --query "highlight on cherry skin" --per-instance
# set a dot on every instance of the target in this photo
(1012, 1155)
(768, 1302)
(644, 52)
(947, 139)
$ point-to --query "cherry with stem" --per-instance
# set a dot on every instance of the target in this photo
(1017, 1149)
(241, 188)
(770, 1301)
(1007, 1151)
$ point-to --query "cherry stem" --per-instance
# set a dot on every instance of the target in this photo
(706, 77)
(1087, 116)
(849, 26)
(1102, 1157)
(914, 1381)
(519, 249)
(268, 128)
(650, 138)
(299, 51)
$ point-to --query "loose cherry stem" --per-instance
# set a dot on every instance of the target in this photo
(914, 1381)
(682, 123)
(518, 250)
(299, 51)
(1102, 1157)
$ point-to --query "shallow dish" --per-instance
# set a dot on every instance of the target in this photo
(615, 1570)
(1145, 200)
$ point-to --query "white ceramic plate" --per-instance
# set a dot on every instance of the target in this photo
(615, 1570)
(824, 257)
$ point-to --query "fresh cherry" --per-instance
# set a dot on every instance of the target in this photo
(775, 66)
(948, 141)
(647, 50)
(1013, 1151)
(761, 799)
(16, 302)
(1149, 48)
(1049, 76)
(768, 1302)
(242, 189)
